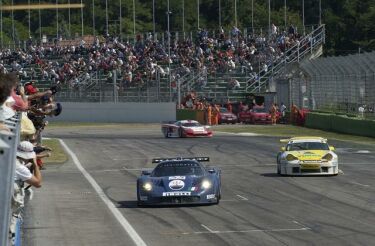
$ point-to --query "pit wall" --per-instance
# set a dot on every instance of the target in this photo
(188, 114)
(341, 124)
(116, 112)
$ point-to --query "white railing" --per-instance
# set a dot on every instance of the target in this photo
(296, 53)
(8, 147)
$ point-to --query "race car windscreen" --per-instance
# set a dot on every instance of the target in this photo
(307, 146)
(177, 169)
(191, 124)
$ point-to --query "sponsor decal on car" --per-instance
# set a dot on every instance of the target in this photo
(211, 196)
(194, 188)
(143, 198)
(177, 177)
(176, 184)
(177, 193)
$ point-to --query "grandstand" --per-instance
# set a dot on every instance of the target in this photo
(254, 61)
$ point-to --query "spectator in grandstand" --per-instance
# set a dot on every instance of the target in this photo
(5, 90)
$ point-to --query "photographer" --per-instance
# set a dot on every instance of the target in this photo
(27, 169)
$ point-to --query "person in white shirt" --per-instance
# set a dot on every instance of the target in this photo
(26, 161)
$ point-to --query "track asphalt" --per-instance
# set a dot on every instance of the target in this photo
(258, 207)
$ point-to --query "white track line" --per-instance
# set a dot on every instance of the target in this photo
(242, 198)
(208, 229)
(356, 183)
(116, 213)
(298, 223)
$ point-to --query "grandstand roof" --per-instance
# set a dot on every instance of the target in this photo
(341, 65)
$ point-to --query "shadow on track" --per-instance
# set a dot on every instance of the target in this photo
(133, 204)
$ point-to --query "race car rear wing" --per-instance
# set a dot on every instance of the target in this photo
(200, 159)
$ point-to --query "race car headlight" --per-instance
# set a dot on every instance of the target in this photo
(206, 184)
(291, 158)
(327, 157)
(147, 186)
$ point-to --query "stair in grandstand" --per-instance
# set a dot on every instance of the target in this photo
(309, 47)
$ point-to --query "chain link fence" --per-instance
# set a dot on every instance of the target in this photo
(344, 84)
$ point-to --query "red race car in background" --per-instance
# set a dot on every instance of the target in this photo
(185, 128)
(226, 117)
(256, 115)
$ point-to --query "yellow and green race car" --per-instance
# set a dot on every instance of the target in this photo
(307, 156)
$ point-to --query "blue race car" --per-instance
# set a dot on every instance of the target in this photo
(179, 181)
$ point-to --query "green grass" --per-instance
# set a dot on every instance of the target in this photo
(58, 153)
(292, 131)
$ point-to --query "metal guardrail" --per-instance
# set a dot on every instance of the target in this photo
(296, 53)
(8, 147)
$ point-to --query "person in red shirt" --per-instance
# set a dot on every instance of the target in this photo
(229, 106)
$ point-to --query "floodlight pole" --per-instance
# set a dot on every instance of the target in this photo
(153, 17)
(57, 21)
(93, 17)
(219, 13)
(134, 18)
(40, 24)
(303, 16)
(252, 16)
(120, 21)
(106, 17)
(183, 17)
(269, 18)
(320, 12)
(198, 12)
(81, 20)
(69, 21)
(235, 12)
(169, 51)
(28, 2)
(285, 14)
(13, 31)
(1, 24)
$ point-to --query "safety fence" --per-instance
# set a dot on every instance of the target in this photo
(247, 33)
(343, 84)
(10, 220)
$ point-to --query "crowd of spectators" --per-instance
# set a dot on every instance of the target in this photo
(139, 62)
(27, 103)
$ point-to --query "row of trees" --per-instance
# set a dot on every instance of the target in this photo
(350, 23)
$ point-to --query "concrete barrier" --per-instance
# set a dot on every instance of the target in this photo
(116, 112)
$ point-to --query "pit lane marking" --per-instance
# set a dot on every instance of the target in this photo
(116, 213)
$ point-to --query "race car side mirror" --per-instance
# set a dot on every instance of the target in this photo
(282, 148)
(331, 148)
(146, 172)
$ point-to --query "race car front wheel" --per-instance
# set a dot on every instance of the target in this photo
(180, 133)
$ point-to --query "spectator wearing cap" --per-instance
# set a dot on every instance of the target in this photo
(26, 157)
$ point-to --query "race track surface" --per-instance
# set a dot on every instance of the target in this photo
(258, 207)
